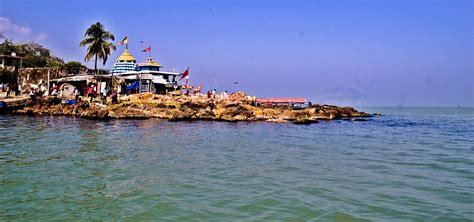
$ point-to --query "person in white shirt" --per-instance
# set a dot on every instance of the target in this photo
(76, 94)
(214, 93)
(104, 96)
(55, 92)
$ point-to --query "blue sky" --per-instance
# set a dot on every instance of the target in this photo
(345, 52)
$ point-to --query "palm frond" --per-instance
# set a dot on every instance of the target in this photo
(107, 36)
(86, 42)
(97, 42)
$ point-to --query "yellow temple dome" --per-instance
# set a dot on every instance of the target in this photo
(126, 57)
(150, 62)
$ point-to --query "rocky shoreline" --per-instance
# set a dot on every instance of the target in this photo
(236, 108)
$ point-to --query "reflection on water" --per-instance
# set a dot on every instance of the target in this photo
(410, 164)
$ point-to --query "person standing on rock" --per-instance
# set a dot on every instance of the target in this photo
(104, 96)
(214, 92)
(14, 89)
(8, 90)
(76, 94)
(32, 95)
(114, 97)
(90, 93)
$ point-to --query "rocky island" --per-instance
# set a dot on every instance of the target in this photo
(145, 90)
(238, 107)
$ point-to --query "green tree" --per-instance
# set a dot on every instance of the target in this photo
(7, 46)
(74, 67)
(97, 39)
(34, 54)
(55, 62)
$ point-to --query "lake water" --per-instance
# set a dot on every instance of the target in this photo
(411, 164)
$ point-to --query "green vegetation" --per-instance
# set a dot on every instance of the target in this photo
(34, 54)
(74, 67)
(97, 39)
(99, 45)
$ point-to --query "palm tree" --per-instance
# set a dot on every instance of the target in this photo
(99, 46)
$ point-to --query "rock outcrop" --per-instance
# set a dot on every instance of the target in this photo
(234, 108)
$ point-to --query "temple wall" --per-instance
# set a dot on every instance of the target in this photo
(35, 77)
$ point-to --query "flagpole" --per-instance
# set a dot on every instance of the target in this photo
(187, 77)
(215, 82)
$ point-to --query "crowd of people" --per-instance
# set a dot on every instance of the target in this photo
(191, 91)
(104, 93)
(215, 95)
(90, 92)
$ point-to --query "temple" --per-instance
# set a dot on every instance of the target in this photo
(125, 63)
(133, 77)
(144, 77)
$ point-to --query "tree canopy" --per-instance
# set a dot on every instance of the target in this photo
(74, 67)
(34, 54)
(97, 42)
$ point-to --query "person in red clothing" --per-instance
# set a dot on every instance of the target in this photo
(90, 93)
(114, 97)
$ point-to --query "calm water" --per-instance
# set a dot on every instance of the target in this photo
(408, 165)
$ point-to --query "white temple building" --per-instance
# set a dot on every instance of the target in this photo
(144, 77)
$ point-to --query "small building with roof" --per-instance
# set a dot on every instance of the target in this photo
(10, 61)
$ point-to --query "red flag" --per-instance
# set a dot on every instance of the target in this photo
(184, 74)
(147, 49)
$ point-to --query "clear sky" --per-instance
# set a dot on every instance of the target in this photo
(345, 52)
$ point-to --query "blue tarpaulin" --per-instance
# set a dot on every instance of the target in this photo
(133, 86)
(71, 101)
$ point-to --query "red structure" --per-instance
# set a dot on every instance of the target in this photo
(281, 101)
